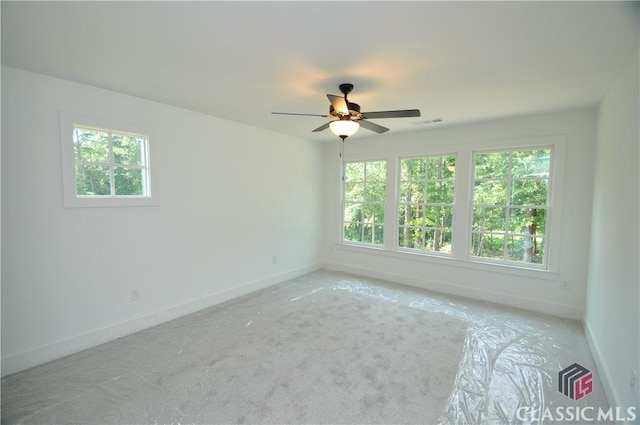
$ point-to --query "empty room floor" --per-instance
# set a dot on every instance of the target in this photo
(326, 347)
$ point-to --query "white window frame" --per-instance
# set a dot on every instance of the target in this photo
(68, 122)
(384, 203)
(425, 204)
(509, 179)
(463, 202)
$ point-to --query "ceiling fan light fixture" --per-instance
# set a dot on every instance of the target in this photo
(347, 115)
(344, 128)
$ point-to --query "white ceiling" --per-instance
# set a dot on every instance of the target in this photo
(460, 61)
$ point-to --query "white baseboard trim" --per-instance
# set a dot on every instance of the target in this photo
(559, 310)
(37, 356)
(603, 372)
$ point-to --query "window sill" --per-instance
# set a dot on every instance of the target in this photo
(106, 202)
(447, 260)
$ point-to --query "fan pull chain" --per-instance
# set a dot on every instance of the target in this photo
(342, 160)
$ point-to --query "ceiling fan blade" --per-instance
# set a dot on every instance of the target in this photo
(322, 127)
(373, 127)
(339, 104)
(392, 114)
(306, 115)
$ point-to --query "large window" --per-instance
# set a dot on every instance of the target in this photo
(425, 212)
(365, 191)
(510, 205)
(110, 163)
(477, 205)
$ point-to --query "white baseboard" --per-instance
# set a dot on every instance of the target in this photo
(603, 372)
(25, 360)
(559, 310)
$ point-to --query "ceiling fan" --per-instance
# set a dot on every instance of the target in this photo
(348, 117)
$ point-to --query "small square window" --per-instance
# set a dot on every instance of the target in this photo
(104, 163)
(110, 163)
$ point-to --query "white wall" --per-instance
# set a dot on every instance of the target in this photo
(537, 291)
(231, 198)
(612, 319)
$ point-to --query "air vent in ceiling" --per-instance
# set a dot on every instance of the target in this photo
(425, 122)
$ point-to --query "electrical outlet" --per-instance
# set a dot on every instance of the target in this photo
(274, 259)
(565, 285)
(135, 294)
(633, 378)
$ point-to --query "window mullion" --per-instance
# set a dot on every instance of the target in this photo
(463, 197)
(391, 219)
(112, 179)
(508, 205)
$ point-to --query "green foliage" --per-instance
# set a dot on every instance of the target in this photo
(425, 213)
(510, 198)
(91, 145)
(490, 192)
(128, 181)
(103, 161)
(492, 245)
(492, 165)
(530, 163)
(93, 180)
(127, 150)
(365, 192)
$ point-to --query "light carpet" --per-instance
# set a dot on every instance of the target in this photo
(323, 348)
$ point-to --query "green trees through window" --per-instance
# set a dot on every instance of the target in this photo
(505, 219)
(365, 193)
(425, 212)
(109, 163)
(510, 203)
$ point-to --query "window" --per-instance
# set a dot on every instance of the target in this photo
(483, 206)
(510, 205)
(110, 163)
(364, 202)
(425, 212)
(105, 163)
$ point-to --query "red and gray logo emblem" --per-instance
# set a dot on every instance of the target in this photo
(575, 381)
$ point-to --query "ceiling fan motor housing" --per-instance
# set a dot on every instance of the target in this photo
(354, 110)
